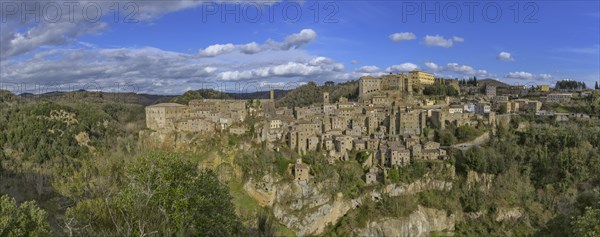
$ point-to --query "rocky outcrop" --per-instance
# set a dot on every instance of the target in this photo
(300, 206)
(473, 215)
(483, 180)
(262, 192)
(438, 178)
(417, 187)
(421, 222)
(508, 213)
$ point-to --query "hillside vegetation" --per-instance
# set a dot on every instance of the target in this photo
(312, 93)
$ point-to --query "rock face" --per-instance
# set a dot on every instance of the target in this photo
(439, 178)
(263, 192)
(421, 222)
(417, 187)
(301, 207)
(484, 180)
(505, 213)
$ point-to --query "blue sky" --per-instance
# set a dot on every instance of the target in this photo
(176, 46)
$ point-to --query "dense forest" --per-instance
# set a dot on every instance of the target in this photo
(76, 167)
(570, 85)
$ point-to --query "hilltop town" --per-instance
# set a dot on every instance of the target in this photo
(391, 122)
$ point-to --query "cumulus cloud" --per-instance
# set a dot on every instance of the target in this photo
(368, 69)
(520, 75)
(440, 41)
(504, 56)
(15, 43)
(217, 49)
(456, 68)
(286, 70)
(432, 66)
(292, 41)
(151, 70)
(300, 39)
(405, 67)
(396, 37)
(250, 48)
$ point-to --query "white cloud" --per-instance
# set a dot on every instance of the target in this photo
(528, 76)
(368, 69)
(462, 69)
(405, 67)
(210, 70)
(545, 77)
(321, 61)
(151, 70)
(292, 41)
(396, 37)
(505, 56)
(432, 66)
(440, 41)
(285, 70)
(250, 48)
(458, 69)
(298, 40)
(217, 49)
(519, 75)
(458, 39)
(354, 62)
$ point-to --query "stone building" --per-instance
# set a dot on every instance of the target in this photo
(371, 176)
(395, 85)
(301, 171)
(398, 157)
(559, 98)
(411, 121)
(163, 116)
(490, 91)
(422, 78)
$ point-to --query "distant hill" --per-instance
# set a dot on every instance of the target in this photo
(7, 96)
(98, 97)
(258, 95)
(303, 95)
(198, 95)
(491, 82)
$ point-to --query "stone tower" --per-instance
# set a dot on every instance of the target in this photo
(325, 98)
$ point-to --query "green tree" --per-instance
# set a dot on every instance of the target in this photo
(362, 156)
(26, 219)
(597, 87)
(394, 175)
(163, 194)
(588, 224)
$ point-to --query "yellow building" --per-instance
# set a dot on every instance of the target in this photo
(423, 78)
(544, 88)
